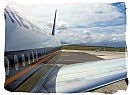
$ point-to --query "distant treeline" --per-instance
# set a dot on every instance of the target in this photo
(93, 48)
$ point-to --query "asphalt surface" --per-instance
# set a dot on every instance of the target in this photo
(67, 58)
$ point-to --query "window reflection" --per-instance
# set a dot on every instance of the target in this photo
(6, 66)
(23, 60)
(10, 16)
(32, 56)
(16, 62)
(29, 58)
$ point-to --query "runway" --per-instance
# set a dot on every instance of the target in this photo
(71, 57)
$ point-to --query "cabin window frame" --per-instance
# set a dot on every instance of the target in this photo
(23, 60)
(29, 61)
(16, 19)
(10, 16)
(41, 53)
(7, 69)
(36, 56)
(23, 22)
(33, 59)
(16, 62)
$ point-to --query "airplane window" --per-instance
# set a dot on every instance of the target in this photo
(45, 51)
(26, 24)
(7, 66)
(36, 28)
(20, 19)
(11, 18)
(16, 18)
(29, 58)
(23, 22)
(32, 26)
(16, 62)
(23, 60)
(36, 56)
(41, 53)
(32, 56)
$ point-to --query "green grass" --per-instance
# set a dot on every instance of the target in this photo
(93, 48)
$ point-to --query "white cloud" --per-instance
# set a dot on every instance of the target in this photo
(71, 15)
(93, 35)
(60, 25)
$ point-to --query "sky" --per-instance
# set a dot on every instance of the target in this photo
(80, 23)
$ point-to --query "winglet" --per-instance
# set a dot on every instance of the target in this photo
(53, 29)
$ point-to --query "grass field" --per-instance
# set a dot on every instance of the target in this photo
(93, 48)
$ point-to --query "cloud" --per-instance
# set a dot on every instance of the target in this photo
(81, 22)
(93, 35)
(59, 26)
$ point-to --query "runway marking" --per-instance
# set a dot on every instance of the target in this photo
(68, 54)
(11, 79)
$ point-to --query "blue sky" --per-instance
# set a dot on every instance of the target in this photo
(80, 23)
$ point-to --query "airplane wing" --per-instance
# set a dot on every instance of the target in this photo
(87, 76)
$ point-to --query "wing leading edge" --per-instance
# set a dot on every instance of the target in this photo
(90, 75)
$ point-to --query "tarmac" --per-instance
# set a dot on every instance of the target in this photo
(72, 57)
(100, 54)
